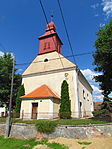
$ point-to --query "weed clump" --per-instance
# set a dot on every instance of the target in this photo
(46, 126)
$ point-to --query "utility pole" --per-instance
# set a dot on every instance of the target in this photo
(8, 120)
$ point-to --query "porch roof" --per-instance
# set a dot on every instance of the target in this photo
(42, 92)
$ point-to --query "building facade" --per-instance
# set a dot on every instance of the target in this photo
(43, 78)
(2, 111)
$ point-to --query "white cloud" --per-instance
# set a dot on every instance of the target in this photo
(1, 53)
(110, 95)
(20, 70)
(97, 93)
(96, 15)
(94, 6)
(11, 54)
(107, 7)
(102, 25)
(89, 75)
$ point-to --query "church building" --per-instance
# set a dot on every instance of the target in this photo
(43, 79)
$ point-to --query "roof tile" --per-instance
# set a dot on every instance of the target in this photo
(43, 91)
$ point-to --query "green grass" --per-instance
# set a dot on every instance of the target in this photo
(63, 121)
(56, 146)
(12, 143)
(79, 122)
(2, 120)
(84, 143)
(59, 122)
(48, 126)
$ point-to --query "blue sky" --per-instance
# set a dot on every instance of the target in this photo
(22, 22)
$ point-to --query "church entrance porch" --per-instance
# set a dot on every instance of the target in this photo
(34, 110)
(41, 103)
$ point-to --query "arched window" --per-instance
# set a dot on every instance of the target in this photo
(46, 60)
(83, 94)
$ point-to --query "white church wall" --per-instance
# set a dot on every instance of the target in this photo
(26, 109)
(53, 63)
(77, 84)
(45, 109)
(54, 81)
(85, 97)
(56, 106)
(75, 102)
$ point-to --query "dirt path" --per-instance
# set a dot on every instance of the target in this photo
(96, 143)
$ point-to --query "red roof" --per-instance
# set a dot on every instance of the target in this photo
(51, 29)
(97, 105)
(43, 91)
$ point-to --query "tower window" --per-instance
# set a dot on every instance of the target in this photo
(46, 45)
(46, 60)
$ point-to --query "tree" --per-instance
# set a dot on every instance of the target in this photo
(103, 62)
(6, 64)
(103, 59)
(21, 92)
(65, 108)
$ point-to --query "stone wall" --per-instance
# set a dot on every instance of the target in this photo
(85, 131)
(2, 129)
(25, 131)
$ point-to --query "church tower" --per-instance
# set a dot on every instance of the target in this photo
(43, 78)
(50, 41)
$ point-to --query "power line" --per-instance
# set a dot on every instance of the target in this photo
(43, 11)
(49, 28)
(66, 29)
(81, 54)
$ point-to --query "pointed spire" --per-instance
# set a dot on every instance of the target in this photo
(52, 15)
(51, 26)
(50, 41)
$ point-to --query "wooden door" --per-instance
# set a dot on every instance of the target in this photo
(34, 110)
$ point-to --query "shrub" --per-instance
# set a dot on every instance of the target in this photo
(84, 143)
(21, 92)
(98, 113)
(102, 115)
(105, 111)
(65, 108)
(46, 126)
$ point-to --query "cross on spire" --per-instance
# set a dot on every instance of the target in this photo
(52, 16)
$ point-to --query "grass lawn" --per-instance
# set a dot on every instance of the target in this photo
(63, 121)
(48, 126)
(60, 121)
(79, 121)
(2, 119)
(12, 143)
